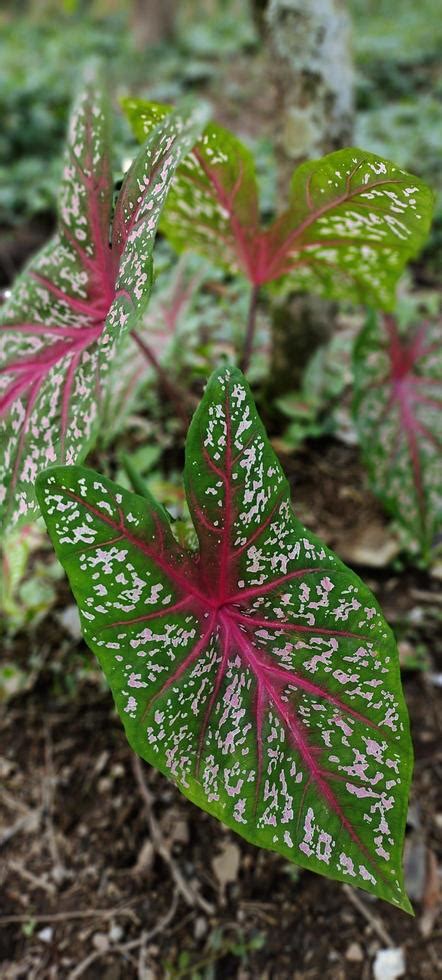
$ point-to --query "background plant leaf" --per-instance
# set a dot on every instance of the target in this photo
(258, 673)
(78, 297)
(353, 221)
(213, 205)
(398, 413)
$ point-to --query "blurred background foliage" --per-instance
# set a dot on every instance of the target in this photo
(211, 48)
(43, 44)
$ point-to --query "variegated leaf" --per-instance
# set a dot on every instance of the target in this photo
(78, 297)
(353, 222)
(213, 206)
(398, 412)
(258, 673)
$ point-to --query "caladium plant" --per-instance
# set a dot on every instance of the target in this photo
(80, 295)
(258, 672)
(398, 412)
(352, 223)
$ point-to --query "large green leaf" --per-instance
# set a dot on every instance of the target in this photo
(258, 674)
(78, 297)
(353, 221)
(398, 412)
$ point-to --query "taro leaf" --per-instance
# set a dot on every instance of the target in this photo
(258, 674)
(398, 412)
(78, 296)
(353, 222)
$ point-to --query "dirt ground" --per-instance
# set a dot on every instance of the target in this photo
(107, 872)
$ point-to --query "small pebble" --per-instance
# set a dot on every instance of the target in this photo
(389, 964)
(100, 942)
(115, 933)
(354, 953)
(46, 934)
(200, 927)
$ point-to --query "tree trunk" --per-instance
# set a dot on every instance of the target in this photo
(308, 43)
(152, 21)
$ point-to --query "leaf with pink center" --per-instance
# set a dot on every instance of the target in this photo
(352, 223)
(398, 412)
(257, 673)
(79, 296)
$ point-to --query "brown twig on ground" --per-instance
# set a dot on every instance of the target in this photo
(36, 881)
(123, 949)
(7, 920)
(375, 923)
(48, 792)
(190, 896)
(29, 822)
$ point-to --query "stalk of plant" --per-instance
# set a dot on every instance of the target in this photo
(258, 672)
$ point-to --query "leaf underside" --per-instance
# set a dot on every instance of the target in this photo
(398, 412)
(78, 297)
(258, 673)
(353, 222)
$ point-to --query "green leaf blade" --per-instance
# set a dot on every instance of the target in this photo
(398, 412)
(270, 692)
(353, 222)
(77, 298)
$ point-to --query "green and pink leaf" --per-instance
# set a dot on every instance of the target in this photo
(78, 297)
(258, 673)
(353, 221)
(398, 412)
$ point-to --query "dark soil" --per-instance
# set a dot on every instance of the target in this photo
(83, 891)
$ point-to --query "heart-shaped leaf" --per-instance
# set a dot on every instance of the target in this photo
(398, 412)
(353, 222)
(78, 296)
(258, 674)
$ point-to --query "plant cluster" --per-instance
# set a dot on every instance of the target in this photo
(248, 663)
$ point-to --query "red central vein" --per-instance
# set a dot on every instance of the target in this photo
(191, 657)
(186, 584)
(226, 201)
(281, 252)
(84, 307)
(298, 733)
(182, 604)
(280, 624)
(259, 590)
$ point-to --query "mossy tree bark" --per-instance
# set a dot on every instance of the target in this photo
(308, 43)
(152, 22)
